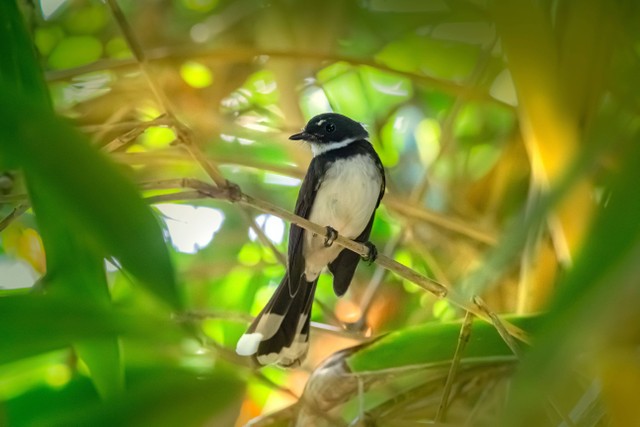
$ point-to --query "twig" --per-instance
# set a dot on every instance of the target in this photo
(366, 302)
(463, 339)
(131, 135)
(140, 57)
(12, 198)
(13, 215)
(209, 167)
(499, 325)
(263, 237)
(411, 210)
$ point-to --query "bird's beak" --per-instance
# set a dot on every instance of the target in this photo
(303, 136)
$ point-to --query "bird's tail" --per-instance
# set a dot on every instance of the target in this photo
(280, 333)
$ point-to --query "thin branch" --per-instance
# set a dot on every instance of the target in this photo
(12, 198)
(263, 237)
(413, 211)
(463, 339)
(409, 210)
(209, 167)
(233, 194)
(13, 215)
(127, 138)
(499, 325)
(238, 54)
(139, 55)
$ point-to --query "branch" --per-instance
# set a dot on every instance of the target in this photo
(414, 211)
(247, 55)
(233, 194)
(14, 214)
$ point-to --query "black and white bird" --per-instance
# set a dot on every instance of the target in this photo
(342, 189)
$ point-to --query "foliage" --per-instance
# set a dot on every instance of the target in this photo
(510, 137)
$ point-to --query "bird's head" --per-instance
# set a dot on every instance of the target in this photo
(330, 130)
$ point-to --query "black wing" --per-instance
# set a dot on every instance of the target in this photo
(344, 266)
(306, 197)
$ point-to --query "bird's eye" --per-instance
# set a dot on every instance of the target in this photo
(330, 127)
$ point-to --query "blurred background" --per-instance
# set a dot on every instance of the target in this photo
(509, 135)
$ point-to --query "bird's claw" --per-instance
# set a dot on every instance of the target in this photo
(330, 236)
(373, 253)
(234, 191)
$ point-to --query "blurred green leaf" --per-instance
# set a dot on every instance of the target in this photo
(18, 68)
(601, 290)
(344, 89)
(103, 357)
(75, 51)
(156, 397)
(47, 38)
(86, 20)
(47, 323)
(435, 343)
(384, 90)
(91, 194)
(59, 163)
(76, 271)
(71, 260)
(33, 324)
(439, 58)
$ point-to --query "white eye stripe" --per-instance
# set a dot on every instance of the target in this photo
(318, 149)
(321, 122)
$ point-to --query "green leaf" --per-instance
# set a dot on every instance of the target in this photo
(19, 68)
(76, 271)
(75, 51)
(104, 360)
(88, 191)
(157, 397)
(47, 323)
(435, 343)
(81, 186)
(35, 324)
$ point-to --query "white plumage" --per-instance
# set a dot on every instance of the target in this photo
(345, 200)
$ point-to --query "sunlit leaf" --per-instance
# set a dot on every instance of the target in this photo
(435, 343)
(196, 74)
(117, 48)
(47, 38)
(158, 137)
(75, 51)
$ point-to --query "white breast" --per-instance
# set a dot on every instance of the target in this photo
(345, 201)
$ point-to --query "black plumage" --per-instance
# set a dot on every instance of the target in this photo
(281, 330)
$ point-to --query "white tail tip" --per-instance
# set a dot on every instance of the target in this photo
(248, 344)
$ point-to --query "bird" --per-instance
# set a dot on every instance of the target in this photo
(341, 190)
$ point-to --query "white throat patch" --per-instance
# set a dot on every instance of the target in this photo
(318, 149)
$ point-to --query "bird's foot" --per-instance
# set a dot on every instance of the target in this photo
(234, 191)
(330, 236)
(373, 253)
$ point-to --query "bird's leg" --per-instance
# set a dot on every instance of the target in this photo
(330, 236)
(373, 253)
(234, 191)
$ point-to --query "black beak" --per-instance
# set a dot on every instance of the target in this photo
(303, 136)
